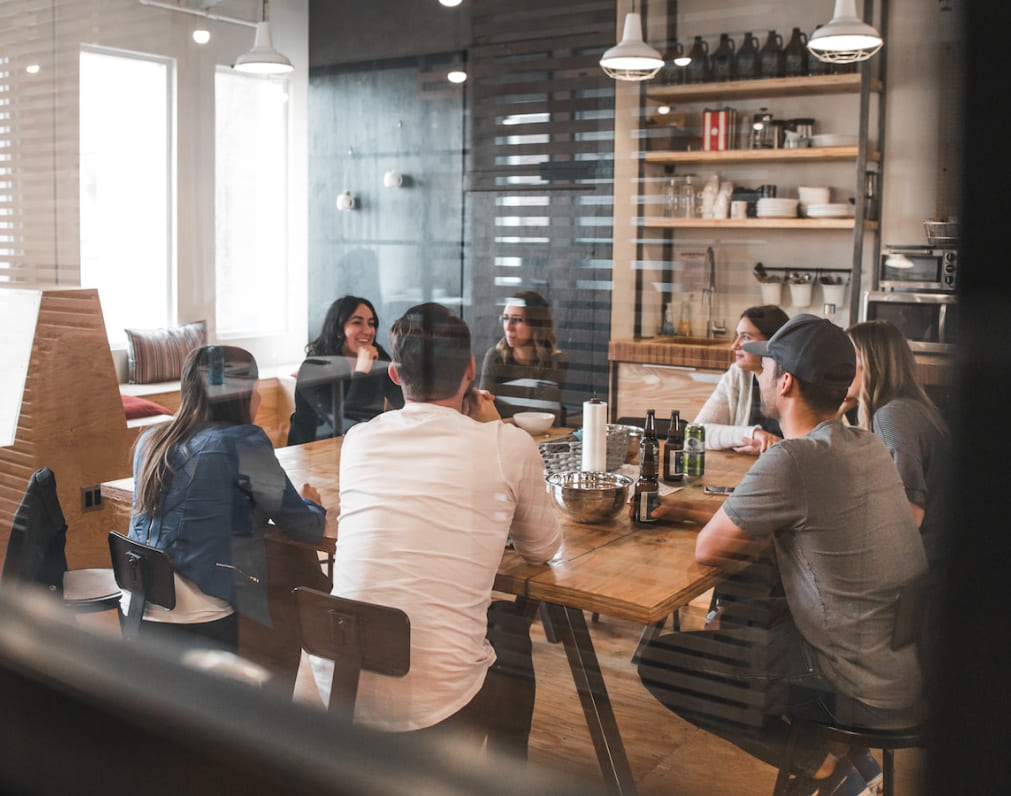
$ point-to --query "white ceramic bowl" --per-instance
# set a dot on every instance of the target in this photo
(534, 422)
(813, 195)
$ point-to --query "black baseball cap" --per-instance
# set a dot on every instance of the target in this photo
(813, 349)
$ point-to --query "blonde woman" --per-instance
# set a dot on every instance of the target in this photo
(524, 370)
(893, 405)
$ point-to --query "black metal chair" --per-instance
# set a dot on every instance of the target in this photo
(146, 573)
(319, 399)
(36, 555)
(355, 636)
(911, 621)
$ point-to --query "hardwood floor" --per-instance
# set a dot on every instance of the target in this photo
(667, 754)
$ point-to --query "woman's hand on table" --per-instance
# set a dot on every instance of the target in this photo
(759, 442)
(309, 492)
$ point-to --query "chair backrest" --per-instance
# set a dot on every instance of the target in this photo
(355, 636)
(146, 573)
(320, 384)
(35, 550)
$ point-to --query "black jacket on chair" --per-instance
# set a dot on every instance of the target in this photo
(36, 548)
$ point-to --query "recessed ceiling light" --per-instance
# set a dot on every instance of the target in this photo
(457, 76)
(32, 69)
(450, 3)
(201, 36)
(663, 110)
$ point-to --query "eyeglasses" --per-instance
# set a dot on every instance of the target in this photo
(517, 319)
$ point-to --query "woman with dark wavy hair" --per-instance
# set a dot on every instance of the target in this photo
(205, 485)
(346, 358)
(524, 370)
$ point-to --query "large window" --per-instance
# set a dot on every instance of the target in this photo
(127, 187)
(251, 178)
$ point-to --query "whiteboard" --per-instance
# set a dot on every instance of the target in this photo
(19, 312)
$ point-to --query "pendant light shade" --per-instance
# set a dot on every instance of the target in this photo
(263, 59)
(631, 58)
(846, 38)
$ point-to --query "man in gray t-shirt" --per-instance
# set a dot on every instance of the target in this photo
(829, 503)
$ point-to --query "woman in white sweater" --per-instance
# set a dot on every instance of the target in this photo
(733, 414)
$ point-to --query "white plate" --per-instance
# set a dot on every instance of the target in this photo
(830, 211)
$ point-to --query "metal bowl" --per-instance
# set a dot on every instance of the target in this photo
(589, 497)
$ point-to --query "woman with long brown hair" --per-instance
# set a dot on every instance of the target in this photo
(205, 485)
(893, 405)
(524, 370)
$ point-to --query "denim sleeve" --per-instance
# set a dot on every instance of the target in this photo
(273, 493)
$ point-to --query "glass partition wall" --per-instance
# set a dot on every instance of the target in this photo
(532, 175)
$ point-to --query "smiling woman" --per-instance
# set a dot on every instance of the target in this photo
(344, 379)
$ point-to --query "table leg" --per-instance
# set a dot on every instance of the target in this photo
(569, 625)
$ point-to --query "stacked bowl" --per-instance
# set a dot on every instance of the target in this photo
(775, 207)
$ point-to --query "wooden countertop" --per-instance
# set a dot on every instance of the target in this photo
(693, 352)
(699, 352)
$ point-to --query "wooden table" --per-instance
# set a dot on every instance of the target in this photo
(609, 568)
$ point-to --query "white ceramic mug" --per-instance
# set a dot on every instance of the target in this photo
(738, 209)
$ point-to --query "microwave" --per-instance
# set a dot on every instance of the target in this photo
(918, 268)
(929, 321)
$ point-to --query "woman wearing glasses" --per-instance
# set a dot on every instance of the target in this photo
(524, 370)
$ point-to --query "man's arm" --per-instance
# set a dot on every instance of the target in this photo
(723, 540)
(535, 531)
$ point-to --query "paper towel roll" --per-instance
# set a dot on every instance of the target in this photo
(595, 436)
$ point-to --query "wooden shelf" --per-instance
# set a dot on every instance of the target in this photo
(823, 153)
(768, 87)
(661, 222)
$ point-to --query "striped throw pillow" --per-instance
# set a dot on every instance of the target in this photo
(158, 354)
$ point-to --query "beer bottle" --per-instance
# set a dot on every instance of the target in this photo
(673, 451)
(647, 488)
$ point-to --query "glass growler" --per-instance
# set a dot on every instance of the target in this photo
(795, 59)
(746, 59)
(673, 470)
(647, 487)
(721, 62)
(770, 61)
(697, 70)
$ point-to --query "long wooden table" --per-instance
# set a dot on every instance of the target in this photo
(609, 568)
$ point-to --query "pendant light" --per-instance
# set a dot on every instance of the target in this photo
(631, 58)
(263, 59)
(846, 38)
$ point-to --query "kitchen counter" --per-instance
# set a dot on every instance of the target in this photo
(692, 352)
(701, 352)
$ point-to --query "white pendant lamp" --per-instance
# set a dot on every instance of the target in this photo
(846, 38)
(631, 58)
(263, 59)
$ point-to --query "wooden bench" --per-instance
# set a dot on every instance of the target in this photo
(72, 420)
(277, 402)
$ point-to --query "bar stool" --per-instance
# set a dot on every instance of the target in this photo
(35, 552)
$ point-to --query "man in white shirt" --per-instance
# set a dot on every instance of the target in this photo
(429, 496)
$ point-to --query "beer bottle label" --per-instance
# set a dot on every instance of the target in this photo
(647, 502)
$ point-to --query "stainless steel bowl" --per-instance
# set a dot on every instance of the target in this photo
(589, 497)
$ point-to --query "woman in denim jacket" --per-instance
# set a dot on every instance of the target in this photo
(205, 485)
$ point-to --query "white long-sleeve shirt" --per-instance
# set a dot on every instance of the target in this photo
(726, 413)
(428, 500)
